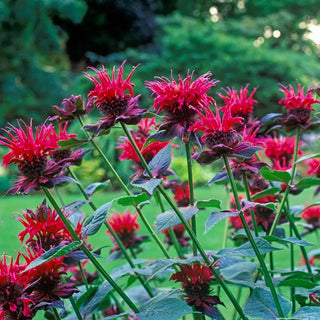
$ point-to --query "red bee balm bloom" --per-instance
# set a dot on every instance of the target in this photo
(312, 216)
(314, 167)
(126, 226)
(195, 281)
(111, 99)
(180, 100)
(240, 104)
(280, 151)
(14, 301)
(220, 138)
(298, 105)
(30, 151)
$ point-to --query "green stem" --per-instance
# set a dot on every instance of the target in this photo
(284, 199)
(271, 263)
(292, 265)
(88, 253)
(234, 317)
(246, 186)
(56, 314)
(59, 195)
(191, 191)
(75, 308)
(84, 278)
(188, 228)
(265, 271)
(128, 192)
(114, 235)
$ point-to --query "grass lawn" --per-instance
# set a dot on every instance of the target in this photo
(11, 206)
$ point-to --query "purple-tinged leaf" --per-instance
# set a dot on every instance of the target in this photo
(275, 175)
(161, 161)
(75, 205)
(170, 219)
(270, 117)
(249, 205)
(219, 177)
(218, 216)
(292, 240)
(64, 179)
(245, 151)
(260, 305)
(147, 185)
(92, 188)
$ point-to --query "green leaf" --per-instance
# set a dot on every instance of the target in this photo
(293, 240)
(298, 282)
(94, 222)
(210, 203)
(147, 185)
(275, 175)
(260, 305)
(246, 249)
(133, 200)
(307, 183)
(53, 253)
(168, 309)
(310, 156)
(170, 219)
(70, 143)
(218, 216)
(92, 188)
(308, 313)
(265, 193)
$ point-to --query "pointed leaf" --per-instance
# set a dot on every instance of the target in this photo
(133, 200)
(147, 185)
(218, 216)
(275, 175)
(64, 179)
(53, 253)
(246, 249)
(92, 188)
(161, 161)
(246, 152)
(170, 219)
(260, 305)
(307, 183)
(293, 240)
(270, 117)
(265, 193)
(211, 203)
(310, 313)
(75, 205)
(70, 143)
(219, 177)
(94, 222)
(310, 156)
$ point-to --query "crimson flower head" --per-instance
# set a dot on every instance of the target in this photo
(299, 107)
(220, 138)
(148, 151)
(180, 100)
(179, 232)
(30, 150)
(43, 228)
(280, 151)
(71, 108)
(312, 216)
(314, 167)
(15, 303)
(196, 279)
(45, 281)
(240, 104)
(125, 226)
(114, 98)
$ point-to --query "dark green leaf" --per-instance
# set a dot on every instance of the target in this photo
(92, 188)
(147, 185)
(170, 219)
(310, 156)
(211, 203)
(298, 282)
(53, 253)
(218, 216)
(307, 183)
(275, 175)
(246, 249)
(133, 200)
(94, 222)
(293, 240)
(70, 143)
(260, 305)
(265, 193)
